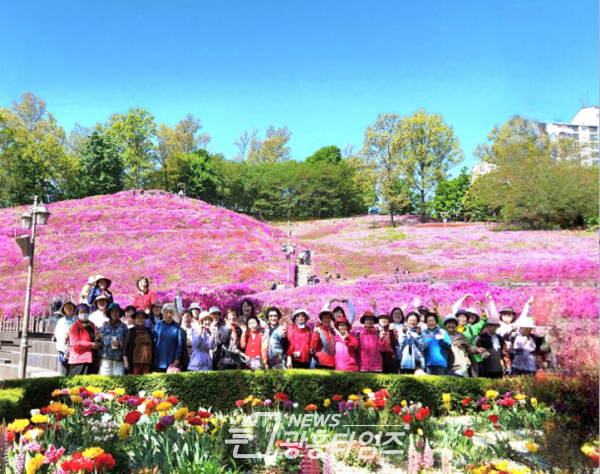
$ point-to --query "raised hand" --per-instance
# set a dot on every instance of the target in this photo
(434, 306)
(488, 296)
(416, 302)
(419, 330)
(530, 300)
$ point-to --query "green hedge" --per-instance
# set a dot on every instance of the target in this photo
(220, 390)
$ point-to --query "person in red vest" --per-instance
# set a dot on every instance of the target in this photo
(323, 341)
(144, 297)
(299, 337)
(252, 342)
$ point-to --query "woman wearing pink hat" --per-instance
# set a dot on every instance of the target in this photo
(371, 343)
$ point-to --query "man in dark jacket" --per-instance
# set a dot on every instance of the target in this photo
(498, 361)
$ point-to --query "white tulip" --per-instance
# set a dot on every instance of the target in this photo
(35, 412)
(142, 393)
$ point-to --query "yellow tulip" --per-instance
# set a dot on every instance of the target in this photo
(420, 432)
(327, 402)
(39, 419)
(76, 399)
(366, 391)
(92, 453)
(403, 403)
(446, 397)
(200, 429)
(35, 463)
(354, 398)
(520, 397)
(119, 391)
(158, 394)
(18, 425)
(491, 394)
(125, 430)
(531, 446)
(181, 414)
(73, 391)
(533, 402)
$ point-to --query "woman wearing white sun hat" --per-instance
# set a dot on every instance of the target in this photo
(204, 338)
(523, 348)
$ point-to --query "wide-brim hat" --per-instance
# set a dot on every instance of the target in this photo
(493, 321)
(386, 316)
(324, 312)
(166, 307)
(298, 311)
(115, 306)
(215, 309)
(139, 311)
(526, 323)
(97, 278)
(450, 317)
(91, 280)
(423, 308)
(195, 306)
(464, 312)
(508, 309)
(342, 320)
(204, 315)
(57, 313)
(368, 314)
(100, 297)
(474, 312)
(62, 308)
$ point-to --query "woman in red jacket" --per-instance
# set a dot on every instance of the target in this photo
(145, 296)
(371, 343)
(83, 357)
(252, 342)
(299, 336)
(323, 341)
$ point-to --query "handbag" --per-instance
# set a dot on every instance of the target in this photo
(255, 363)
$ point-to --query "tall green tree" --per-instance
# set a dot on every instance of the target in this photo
(533, 184)
(380, 160)
(427, 149)
(198, 174)
(450, 195)
(101, 168)
(273, 149)
(327, 154)
(133, 133)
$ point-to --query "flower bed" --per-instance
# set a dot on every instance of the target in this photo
(90, 429)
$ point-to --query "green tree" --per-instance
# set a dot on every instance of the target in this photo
(380, 159)
(101, 169)
(133, 134)
(33, 154)
(198, 174)
(450, 195)
(531, 183)
(273, 149)
(427, 149)
(327, 154)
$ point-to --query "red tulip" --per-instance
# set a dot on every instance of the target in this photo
(469, 433)
(132, 417)
(407, 419)
(493, 418)
(419, 416)
(466, 401)
(486, 406)
(498, 427)
(397, 410)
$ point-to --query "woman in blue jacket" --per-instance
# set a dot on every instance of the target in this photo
(412, 345)
(438, 344)
(167, 340)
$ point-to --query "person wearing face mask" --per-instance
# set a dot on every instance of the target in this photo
(458, 357)
(299, 336)
(204, 340)
(144, 297)
(276, 342)
(138, 348)
(100, 287)
(438, 345)
(346, 346)
(111, 337)
(498, 363)
(412, 345)
(83, 357)
(323, 341)
(371, 344)
(61, 334)
(252, 342)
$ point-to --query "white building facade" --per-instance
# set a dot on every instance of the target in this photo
(583, 129)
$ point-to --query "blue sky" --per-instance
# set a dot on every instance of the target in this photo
(324, 69)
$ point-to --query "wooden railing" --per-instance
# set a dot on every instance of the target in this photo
(37, 325)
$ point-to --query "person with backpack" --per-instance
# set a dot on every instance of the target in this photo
(346, 346)
(411, 345)
(323, 341)
(299, 336)
(458, 357)
(498, 363)
(438, 345)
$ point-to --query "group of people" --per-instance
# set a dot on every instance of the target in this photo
(98, 336)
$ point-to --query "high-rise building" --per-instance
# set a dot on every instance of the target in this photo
(583, 129)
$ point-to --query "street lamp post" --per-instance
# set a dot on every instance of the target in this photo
(37, 215)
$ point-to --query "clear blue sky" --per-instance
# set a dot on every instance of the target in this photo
(325, 69)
